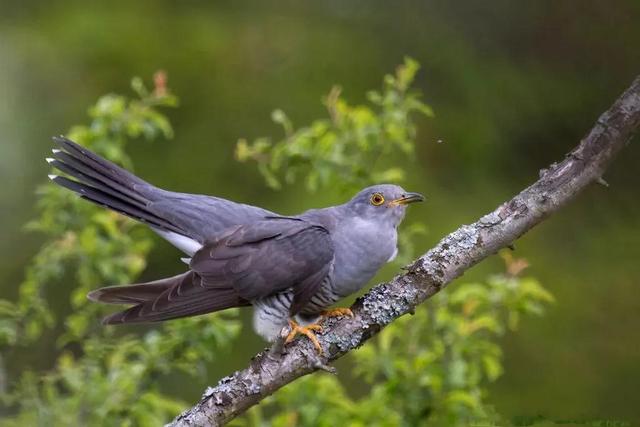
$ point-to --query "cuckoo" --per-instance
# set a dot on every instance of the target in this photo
(290, 269)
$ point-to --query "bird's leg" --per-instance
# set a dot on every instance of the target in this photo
(308, 331)
(337, 312)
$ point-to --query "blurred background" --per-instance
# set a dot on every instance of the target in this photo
(514, 86)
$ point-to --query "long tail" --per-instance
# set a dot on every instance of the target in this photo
(164, 299)
(106, 184)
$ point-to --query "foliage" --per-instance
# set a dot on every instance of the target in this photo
(113, 379)
(341, 151)
(98, 246)
(429, 369)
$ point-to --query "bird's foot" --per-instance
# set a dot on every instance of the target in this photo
(308, 330)
(337, 312)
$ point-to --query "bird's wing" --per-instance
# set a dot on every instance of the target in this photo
(267, 257)
(245, 263)
(196, 218)
(183, 295)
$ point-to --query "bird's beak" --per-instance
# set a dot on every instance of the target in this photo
(407, 198)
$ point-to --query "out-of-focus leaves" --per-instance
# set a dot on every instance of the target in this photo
(348, 149)
(112, 381)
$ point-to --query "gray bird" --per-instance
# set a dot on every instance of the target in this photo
(291, 269)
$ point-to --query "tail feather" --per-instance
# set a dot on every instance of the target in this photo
(75, 167)
(102, 182)
(105, 199)
(98, 163)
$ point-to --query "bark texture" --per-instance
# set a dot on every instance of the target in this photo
(558, 184)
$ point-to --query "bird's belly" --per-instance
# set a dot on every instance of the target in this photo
(271, 313)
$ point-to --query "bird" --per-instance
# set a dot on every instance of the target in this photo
(290, 269)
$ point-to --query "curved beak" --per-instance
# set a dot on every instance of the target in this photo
(407, 198)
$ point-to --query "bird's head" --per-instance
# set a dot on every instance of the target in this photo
(384, 202)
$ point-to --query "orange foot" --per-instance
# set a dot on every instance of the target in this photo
(338, 312)
(308, 331)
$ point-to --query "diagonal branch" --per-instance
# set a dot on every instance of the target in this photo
(274, 368)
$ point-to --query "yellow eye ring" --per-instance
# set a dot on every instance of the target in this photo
(376, 199)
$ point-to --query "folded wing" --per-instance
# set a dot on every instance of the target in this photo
(245, 263)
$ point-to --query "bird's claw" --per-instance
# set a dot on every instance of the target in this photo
(338, 312)
(308, 331)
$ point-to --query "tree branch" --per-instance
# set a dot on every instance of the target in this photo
(273, 368)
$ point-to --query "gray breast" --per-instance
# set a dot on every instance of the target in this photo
(361, 249)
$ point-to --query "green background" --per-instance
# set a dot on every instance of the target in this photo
(514, 86)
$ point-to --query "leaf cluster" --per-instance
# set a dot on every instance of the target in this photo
(101, 378)
(348, 148)
(429, 369)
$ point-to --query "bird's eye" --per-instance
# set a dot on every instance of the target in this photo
(377, 199)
